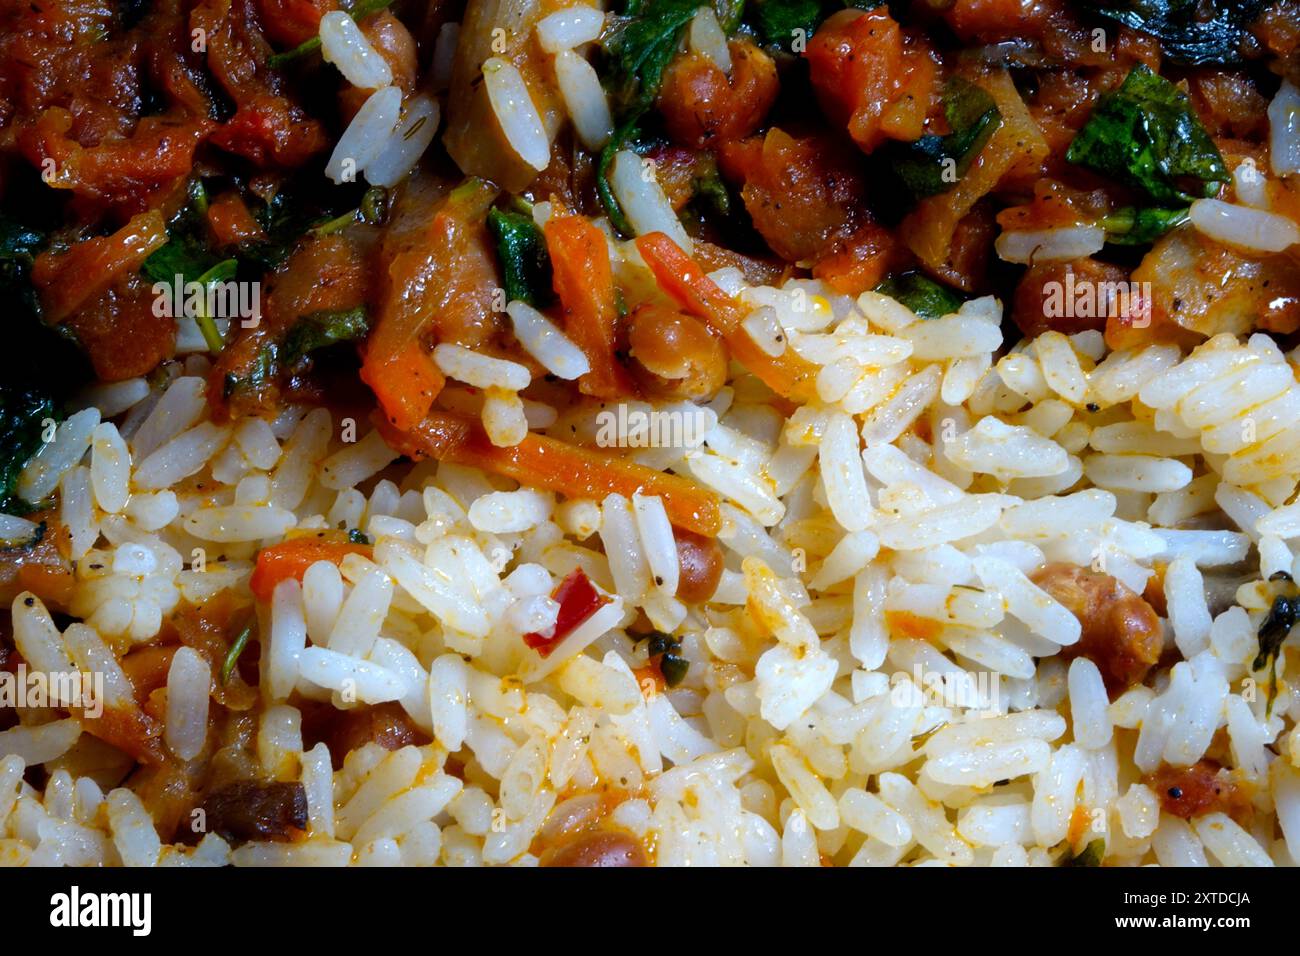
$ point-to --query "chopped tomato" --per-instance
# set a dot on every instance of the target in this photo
(579, 600)
(292, 558)
(230, 220)
(702, 106)
(290, 22)
(870, 78)
(862, 262)
(805, 195)
(69, 280)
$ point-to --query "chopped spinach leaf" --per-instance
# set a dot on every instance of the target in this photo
(710, 191)
(933, 164)
(779, 22)
(320, 330)
(521, 250)
(314, 331)
(373, 211)
(922, 295)
(729, 14)
(638, 49)
(1146, 135)
(186, 252)
(23, 412)
(1191, 32)
(1091, 855)
(1132, 226)
(31, 346)
(1277, 625)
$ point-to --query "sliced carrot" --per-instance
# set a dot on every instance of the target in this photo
(549, 463)
(585, 284)
(681, 277)
(292, 558)
(405, 385)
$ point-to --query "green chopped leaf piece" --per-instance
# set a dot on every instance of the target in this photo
(1091, 855)
(521, 250)
(1146, 135)
(1132, 226)
(933, 164)
(922, 295)
(1191, 32)
(23, 412)
(321, 329)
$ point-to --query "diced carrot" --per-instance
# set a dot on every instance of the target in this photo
(405, 385)
(548, 463)
(230, 220)
(129, 729)
(678, 274)
(292, 558)
(147, 667)
(584, 282)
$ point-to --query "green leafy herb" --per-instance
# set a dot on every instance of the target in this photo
(1133, 226)
(1278, 623)
(359, 12)
(779, 22)
(1191, 32)
(1091, 855)
(23, 413)
(232, 656)
(922, 295)
(186, 252)
(32, 347)
(372, 211)
(259, 374)
(667, 648)
(637, 50)
(729, 14)
(622, 137)
(933, 164)
(316, 330)
(320, 330)
(223, 271)
(1146, 135)
(357, 536)
(521, 249)
(710, 191)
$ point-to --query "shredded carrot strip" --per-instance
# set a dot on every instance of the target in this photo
(405, 385)
(681, 277)
(292, 558)
(585, 284)
(549, 463)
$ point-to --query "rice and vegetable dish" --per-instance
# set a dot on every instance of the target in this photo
(766, 432)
